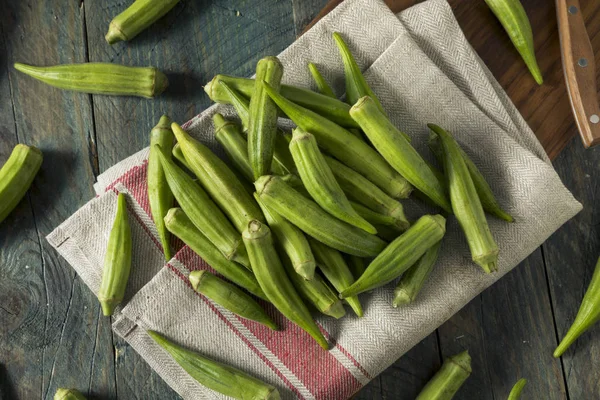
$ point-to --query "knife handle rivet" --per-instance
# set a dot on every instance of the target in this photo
(594, 119)
(582, 62)
(573, 10)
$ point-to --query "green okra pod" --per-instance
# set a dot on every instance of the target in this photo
(412, 281)
(230, 297)
(466, 204)
(16, 176)
(101, 78)
(68, 394)
(320, 81)
(262, 126)
(159, 193)
(179, 224)
(398, 151)
(356, 265)
(346, 147)
(588, 314)
(274, 281)
(229, 136)
(204, 213)
(216, 376)
(488, 200)
(313, 220)
(332, 265)
(117, 260)
(515, 393)
(330, 108)
(446, 382)
(136, 18)
(292, 241)
(320, 182)
(400, 255)
(177, 153)
(513, 18)
(377, 219)
(218, 180)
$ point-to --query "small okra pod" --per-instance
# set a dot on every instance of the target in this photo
(218, 180)
(588, 314)
(515, 393)
(101, 78)
(159, 193)
(204, 213)
(178, 155)
(216, 376)
(412, 281)
(320, 81)
(313, 220)
(328, 107)
(332, 265)
(136, 18)
(180, 225)
(274, 281)
(292, 241)
(230, 297)
(488, 200)
(320, 182)
(356, 265)
(446, 382)
(16, 176)
(68, 394)
(398, 151)
(400, 255)
(375, 218)
(466, 204)
(117, 260)
(346, 147)
(262, 126)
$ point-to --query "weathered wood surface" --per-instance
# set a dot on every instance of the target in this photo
(51, 331)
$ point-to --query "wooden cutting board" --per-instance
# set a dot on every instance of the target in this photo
(546, 108)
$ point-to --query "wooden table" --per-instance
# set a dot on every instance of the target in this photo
(52, 333)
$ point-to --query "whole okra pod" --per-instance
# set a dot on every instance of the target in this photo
(117, 260)
(180, 225)
(262, 127)
(398, 151)
(68, 394)
(320, 182)
(446, 382)
(320, 81)
(466, 204)
(159, 193)
(515, 393)
(400, 255)
(272, 278)
(216, 376)
(136, 18)
(101, 78)
(230, 297)
(204, 213)
(16, 176)
(313, 220)
(413, 279)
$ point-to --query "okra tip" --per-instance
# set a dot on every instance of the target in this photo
(195, 278)
(163, 123)
(180, 134)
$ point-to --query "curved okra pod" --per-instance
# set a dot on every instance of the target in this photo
(117, 260)
(159, 193)
(101, 78)
(320, 182)
(204, 213)
(217, 376)
(16, 176)
(330, 108)
(136, 18)
(346, 147)
(180, 225)
(398, 151)
(412, 281)
(68, 394)
(488, 201)
(313, 220)
(320, 81)
(218, 180)
(335, 269)
(446, 382)
(588, 314)
(262, 126)
(466, 204)
(400, 255)
(230, 297)
(515, 393)
(513, 18)
(272, 278)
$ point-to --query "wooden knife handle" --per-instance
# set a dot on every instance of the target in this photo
(580, 70)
